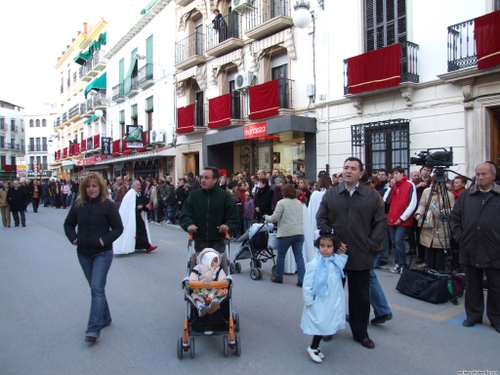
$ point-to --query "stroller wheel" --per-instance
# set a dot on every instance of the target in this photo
(254, 273)
(260, 273)
(180, 350)
(273, 269)
(191, 345)
(237, 345)
(236, 319)
(238, 267)
(225, 344)
(232, 268)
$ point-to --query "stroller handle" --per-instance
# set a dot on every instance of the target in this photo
(211, 285)
(226, 236)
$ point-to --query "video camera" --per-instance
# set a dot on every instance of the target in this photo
(434, 157)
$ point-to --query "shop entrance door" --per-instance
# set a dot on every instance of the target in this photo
(192, 162)
(495, 135)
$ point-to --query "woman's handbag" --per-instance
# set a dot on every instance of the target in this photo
(423, 285)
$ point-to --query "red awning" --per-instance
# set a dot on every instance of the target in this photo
(116, 148)
(83, 145)
(185, 119)
(96, 141)
(375, 69)
(487, 30)
(219, 111)
(264, 101)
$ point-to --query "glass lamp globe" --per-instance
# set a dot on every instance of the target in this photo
(99, 113)
(301, 17)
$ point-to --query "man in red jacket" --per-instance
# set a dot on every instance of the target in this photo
(401, 195)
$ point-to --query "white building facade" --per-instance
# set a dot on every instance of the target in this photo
(11, 138)
(441, 98)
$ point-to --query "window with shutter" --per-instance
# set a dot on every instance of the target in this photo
(385, 23)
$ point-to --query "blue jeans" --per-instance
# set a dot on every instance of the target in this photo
(377, 296)
(384, 253)
(398, 241)
(96, 270)
(296, 243)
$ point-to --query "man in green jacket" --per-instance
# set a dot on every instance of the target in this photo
(209, 212)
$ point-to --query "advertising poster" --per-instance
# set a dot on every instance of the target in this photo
(134, 136)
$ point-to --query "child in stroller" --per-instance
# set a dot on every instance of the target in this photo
(207, 269)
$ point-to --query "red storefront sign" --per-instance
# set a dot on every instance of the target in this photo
(255, 130)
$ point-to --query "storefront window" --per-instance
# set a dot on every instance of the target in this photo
(284, 151)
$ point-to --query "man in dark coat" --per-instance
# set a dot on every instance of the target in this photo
(475, 220)
(357, 216)
(17, 198)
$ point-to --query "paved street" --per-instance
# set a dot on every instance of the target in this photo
(45, 299)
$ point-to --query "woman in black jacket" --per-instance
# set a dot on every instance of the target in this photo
(99, 224)
(263, 199)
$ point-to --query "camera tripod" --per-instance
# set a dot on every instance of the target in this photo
(437, 215)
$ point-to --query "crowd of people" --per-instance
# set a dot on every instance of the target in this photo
(340, 228)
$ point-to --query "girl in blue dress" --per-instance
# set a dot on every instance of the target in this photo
(324, 299)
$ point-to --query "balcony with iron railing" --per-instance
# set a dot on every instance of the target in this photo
(461, 46)
(93, 66)
(97, 101)
(145, 76)
(267, 18)
(117, 93)
(76, 112)
(65, 117)
(57, 122)
(190, 51)
(224, 35)
(408, 66)
(130, 87)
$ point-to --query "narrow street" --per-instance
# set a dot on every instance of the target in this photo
(45, 302)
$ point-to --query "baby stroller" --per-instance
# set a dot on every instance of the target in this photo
(223, 322)
(258, 246)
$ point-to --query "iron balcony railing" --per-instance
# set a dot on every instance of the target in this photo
(189, 47)
(65, 117)
(96, 59)
(264, 11)
(76, 110)
(222, 29)
(461, 46)
(145, 73)
(117, 91)
(95, 101)
(129, 84)
(409, 65)
(57, 122)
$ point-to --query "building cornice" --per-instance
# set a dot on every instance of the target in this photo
(145, 19)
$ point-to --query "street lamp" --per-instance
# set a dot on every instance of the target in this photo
(53, 136)
(302, 16)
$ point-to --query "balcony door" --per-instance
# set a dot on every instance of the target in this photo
(281, 73)
(199, 112)
(235, 101)
(199, 39)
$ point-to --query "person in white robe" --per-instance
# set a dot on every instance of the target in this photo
(135, 234)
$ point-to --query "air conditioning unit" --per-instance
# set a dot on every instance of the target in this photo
(238, 5)
(243, 80)
(157, 136)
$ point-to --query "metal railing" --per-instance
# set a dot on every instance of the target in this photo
(76, 110)
(461, 46)
(145, 73)
(222, 29)
(129, 85)
(117, 91)
(189, 47)
(57, 122)
(95, 101)
(409, 65)
(96, 59)
(65, 117)
(263, 12)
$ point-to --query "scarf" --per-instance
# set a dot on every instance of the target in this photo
(320, 285)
